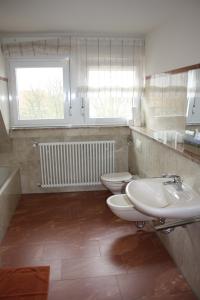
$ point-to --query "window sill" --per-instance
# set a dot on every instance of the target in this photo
(67, 127)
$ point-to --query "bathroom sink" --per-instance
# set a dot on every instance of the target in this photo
(152, 197)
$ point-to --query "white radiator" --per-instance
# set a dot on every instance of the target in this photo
(75, 163)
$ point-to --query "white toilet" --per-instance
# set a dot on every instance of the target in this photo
(115, 182)
(122, 207)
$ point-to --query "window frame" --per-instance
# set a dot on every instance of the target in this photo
(74, 116)
(37, 63)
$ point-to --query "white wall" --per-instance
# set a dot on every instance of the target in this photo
(176, 43)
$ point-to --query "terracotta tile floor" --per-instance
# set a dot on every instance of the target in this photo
(92, 254)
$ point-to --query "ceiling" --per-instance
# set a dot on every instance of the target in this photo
(135, 17)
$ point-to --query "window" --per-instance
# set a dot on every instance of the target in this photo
(99, 82)
(39, 92)
(110, 93)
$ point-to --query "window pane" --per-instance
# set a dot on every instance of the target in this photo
(110, 93)
(40, 93)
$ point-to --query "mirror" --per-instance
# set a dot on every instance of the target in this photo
(171, 109)
(193, 97)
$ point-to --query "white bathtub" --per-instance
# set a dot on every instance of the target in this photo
(10, 192)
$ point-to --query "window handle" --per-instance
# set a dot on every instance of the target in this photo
(70, 110)
(82, 106)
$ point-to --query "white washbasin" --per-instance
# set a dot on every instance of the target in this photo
(152, 197)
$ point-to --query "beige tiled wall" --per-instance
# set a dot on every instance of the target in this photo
(154, 159)
(21, 153)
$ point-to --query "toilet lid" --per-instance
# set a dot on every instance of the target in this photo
(121, 176)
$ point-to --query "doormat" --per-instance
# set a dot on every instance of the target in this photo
(28, 283)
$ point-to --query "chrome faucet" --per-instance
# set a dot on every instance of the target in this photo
(176, 180)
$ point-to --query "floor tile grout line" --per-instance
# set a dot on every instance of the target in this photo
(88, 277)
(119, 287)
(99, 245)
(93, 276)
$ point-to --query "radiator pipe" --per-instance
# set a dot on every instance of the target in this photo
(35, 144)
